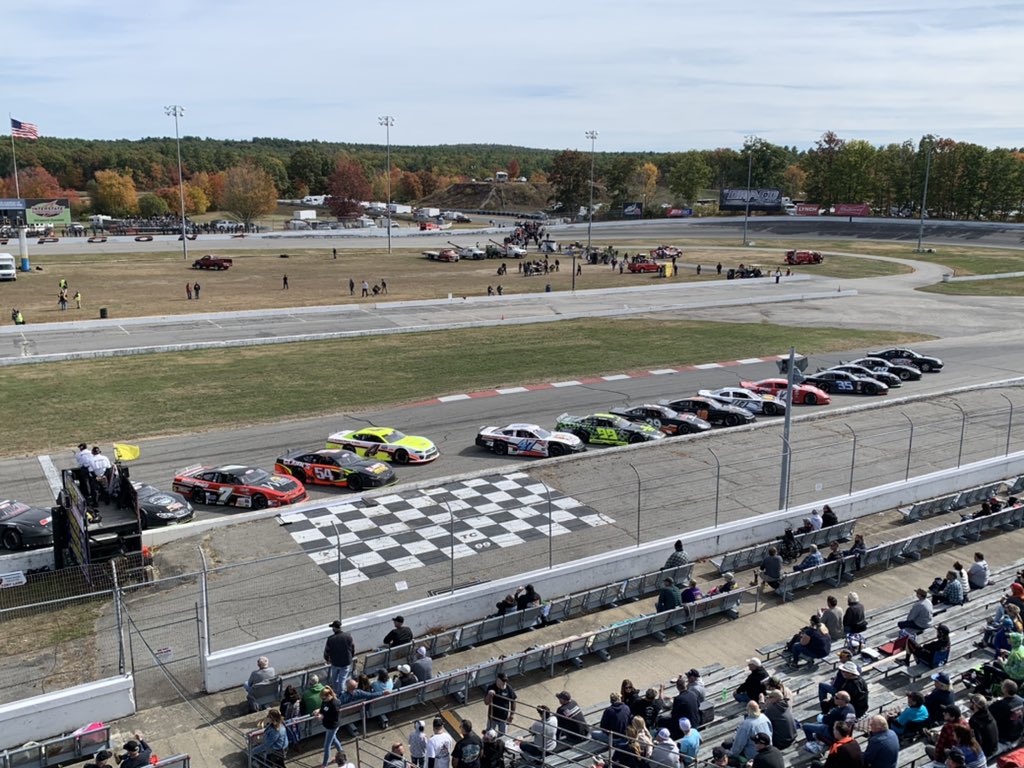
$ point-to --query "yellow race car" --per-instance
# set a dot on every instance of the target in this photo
(385, 444)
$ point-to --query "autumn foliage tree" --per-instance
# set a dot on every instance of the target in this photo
(514, 171)
(37, 182)
(248, 193)
(570, 175)
(114, 194)
(347, 186)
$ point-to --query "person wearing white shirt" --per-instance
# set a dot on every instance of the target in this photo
(816, 520)
(100, 466)
(84, 457)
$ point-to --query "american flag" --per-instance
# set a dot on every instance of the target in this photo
(20, 130)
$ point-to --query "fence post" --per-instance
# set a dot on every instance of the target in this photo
(204, 610)
(1009, 424)
(718, 483)
(551, 529)
(337, 544)
(635, 472)
(963, 429)
(118, 618)
(910, 445)
(853, 456)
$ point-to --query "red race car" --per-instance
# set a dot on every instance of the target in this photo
(665, 252)
(803, 394)
(236, 486)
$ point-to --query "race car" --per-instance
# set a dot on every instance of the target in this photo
(755, 402)
(158, 507)
(528, 440)
(385, 444)
(22, 526)
(711, 410)
(607, 428)
(905, 372)
(845, 383)
(904, 356)
(643, 265)
(335, 467)
(234, 485)
(890, 380)
(803, 257)
(803, 393)
(665, 252)
(664, 418)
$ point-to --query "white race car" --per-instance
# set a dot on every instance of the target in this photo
(528, 440)
(769, 405)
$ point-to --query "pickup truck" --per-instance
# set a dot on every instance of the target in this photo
(211, 262)
(803, 257)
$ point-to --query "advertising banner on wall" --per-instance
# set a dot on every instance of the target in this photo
(633, 210)
(853, 209)
(56, 213)
(807, 209)
(760, 199)
(11, 204)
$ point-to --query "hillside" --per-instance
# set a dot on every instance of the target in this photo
(483, 196)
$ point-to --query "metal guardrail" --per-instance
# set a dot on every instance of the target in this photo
(56, 751)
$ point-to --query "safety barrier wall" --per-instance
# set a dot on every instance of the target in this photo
(299, 650)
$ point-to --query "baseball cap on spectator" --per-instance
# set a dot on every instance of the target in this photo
(399, 619)
(754, 662)
(728, 576)
(684, 724)
(664, 735)
(335, 624)
(762, 738)
(421, 651)
(131, 746)
(941, 678)
(405, 669)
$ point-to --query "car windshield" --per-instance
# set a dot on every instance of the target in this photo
(251, 476)
(540, 432)
(392, 437)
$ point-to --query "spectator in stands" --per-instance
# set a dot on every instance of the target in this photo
(962, 575)
(920, 616)
(754, 687)
(816, 520)
(1009, 665)
(768, 755)
(328, 716)
(383, 683)
(742, 744)
(978, 573)
(291, 708)
(628, 692)
(614, 719)
(685, 706)
(669, 597)
(883, 747)
(275, 739)
(468, 750)
(719, 757)
(665, 753)
(695, 684)
(689, 744)
(780, 715)
(501, 704)
(572, 723)
(828, 517)
(692, 593)
(100, 760)
(820, 735)
(912, 718)
(833, 552)
(854, 620)
(932, 654)
(637, 746)
(771, 568)
(949, 590)
(812, 642)
(856, 550)
(400, 635)
(439, 746)
(1008, 712)
(526, 597)
(339, 651)
(311, 696)
(423, 665)
(811, 560)
(494, 751)
(728, 584)
(355, 692)
(944, 738)
(832, 618)
(1014, 597)
(974, 756)
(677, 558)
(545, 731)
(999, 638)
(845, 752)
(405, 677)
(649, 708)
(395, 758)
(136, 753)
(505, 606)
(418, 744)
(775, 684)
(262, 674)
(983, 725)
(939, 697)
(847, 679)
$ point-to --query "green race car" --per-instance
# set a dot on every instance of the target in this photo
(607, 429)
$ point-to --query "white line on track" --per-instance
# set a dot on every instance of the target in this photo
(617, 377)
(511, 390)
(662, 371)
(50, 473)
(748, 360)
(452, 398)
(707, 366)
(558, 384)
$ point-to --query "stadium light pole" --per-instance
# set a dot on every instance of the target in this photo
(177, 111)
(924, 198)
(387, 121)
(746, 212)
(592, 135)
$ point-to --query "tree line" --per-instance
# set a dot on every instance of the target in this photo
(965, 180)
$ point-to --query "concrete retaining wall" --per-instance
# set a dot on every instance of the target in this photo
(299, 650)
(49, 715)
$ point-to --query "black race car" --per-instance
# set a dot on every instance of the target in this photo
(905, 372)
(158, 507)
(904, 356)
(843, 383)
(714, 411)
(607, 428)
(890, 380)
(664, 418)
(334, 466)
(22, 526)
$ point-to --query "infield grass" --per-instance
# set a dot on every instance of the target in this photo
(1008, 286)
(130, 398)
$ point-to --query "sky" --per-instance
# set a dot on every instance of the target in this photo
(658, 75)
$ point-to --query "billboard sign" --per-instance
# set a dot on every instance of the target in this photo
(12, 204)
(853, 209)
(760, 199)
(53, 212)
(679, 213)
(807, 209)
(633, 210)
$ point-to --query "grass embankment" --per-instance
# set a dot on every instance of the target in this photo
(130, 398)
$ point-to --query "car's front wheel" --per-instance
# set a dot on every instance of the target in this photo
(635, 438)
(926, 367)
(402, 456)
(769, 409)
(582, 436)
(904, 375)
(870, 389)
(556, 449)
(731, 420)
(810, 399)
(11, 539)
(198, 496)
(259, 501)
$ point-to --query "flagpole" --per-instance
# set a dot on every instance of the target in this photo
(14, 157)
